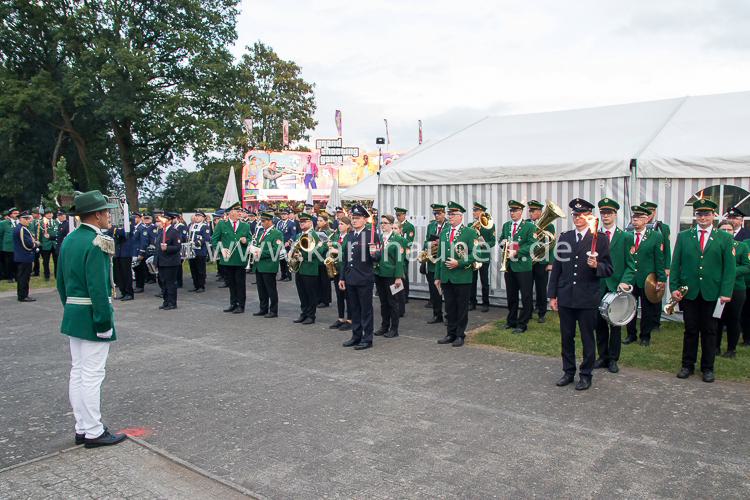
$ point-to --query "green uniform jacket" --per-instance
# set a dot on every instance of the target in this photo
(665, 232)
(342, 247)
(623, 263)
(269, 254)
(525, 238)
(311, 261)
(432, 229)
(6, 231)
(649, 258)
(50, 241)
(742, 264)
(551, 228)
(406, 245)
(391, 263)
(710, 274)
(225, 237)
(84, 274)
(463, 274)
(408, 232)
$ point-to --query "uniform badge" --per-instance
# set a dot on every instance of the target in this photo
(145, 233)
(278, 242)
(662, 247)
(734, 252)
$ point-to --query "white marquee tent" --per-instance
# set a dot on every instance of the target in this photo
(366, 189)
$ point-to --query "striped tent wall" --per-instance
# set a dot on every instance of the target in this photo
(417, 200)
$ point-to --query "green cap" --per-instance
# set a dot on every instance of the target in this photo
(705, 204)
(650, 205)
(640, 210)
(534, 204)
(437, 207)
(305, 216)
(515, 204)
(479, 206)
(234, 206)
(91, 201)
(608, 203)
(455, 207)
(266, 215)
(400, 210)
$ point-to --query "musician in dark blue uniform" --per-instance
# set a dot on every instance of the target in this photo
(741, 233)
(574, 290)
(199, 236)
(358, 278)
(24, 251)
(122, 261)
(168, 257)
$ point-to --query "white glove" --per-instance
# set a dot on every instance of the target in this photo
(105, 335)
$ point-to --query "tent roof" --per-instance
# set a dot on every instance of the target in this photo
(366, 189)
(681, 137)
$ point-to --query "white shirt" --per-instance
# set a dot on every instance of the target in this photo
(707, 230)
(98, 231)
(582, 233)
(611, 231)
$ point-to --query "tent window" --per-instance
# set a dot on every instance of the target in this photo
(725, 195)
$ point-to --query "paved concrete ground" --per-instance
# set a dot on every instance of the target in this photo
(284, 411)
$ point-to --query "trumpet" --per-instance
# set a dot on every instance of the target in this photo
(672, 303)
(546, 238)
(506, 256)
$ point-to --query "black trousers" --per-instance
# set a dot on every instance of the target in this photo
(35, 272)
(540, 277)
(307, 290)
(342, 301)
(650, 314)
(456, 308)
(360, 299)
(234, 277)
(731, 319)
(483, 276)
(140, 274)
(122, 267)
(179, 275)
(699, 325)
(745, 319)
(168, 277)
(435, 298)
(23, 276)
(220, 274)
(324, 285)
(46, 254)
(406, 285)
(586, 321)
(608, 339)
(267, 293)
(284, 269)
(516, 283)
(390, 305)
(198, 271)
(9, 266)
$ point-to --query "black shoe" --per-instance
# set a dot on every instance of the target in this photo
(472, 307)
(485, 308)
(345, 326)
(80, 438)
(629, 340)
(362, 346)
(27, 299)
(508, 326)
(541, 319)
(260, 313)
(583, 383)
(600, 363)
(685, 372)
(708, 376)
(446, 340)
(428, 305)
(158, 295)
(223, 286)
(380, 331)
(335, 325)
(350, 343)
(299, 320)
(127, 297)
(613, 368)
(391, 334)
(162, 306)
(458, 342)
(271, 315)
(238, 310)
(200, 290)
(435, 320)
(729, 354)
(565, 380)
(169, 307)
(106, 439)
(308, 321)
(323, 305)
(138, 290)
(519, 330)
(645, 342)
(230, 309)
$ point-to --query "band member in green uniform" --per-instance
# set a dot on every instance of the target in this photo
(266, 248)
(453, 273)
(487, 242)
(230, 239)
(730, 317)
(540, 270)
(665, 231)
(408, 232)
(519, 235)
(389, 270)
(337, 248)
(434, 229)
(703, 262)
(306, 278)
(608, 337)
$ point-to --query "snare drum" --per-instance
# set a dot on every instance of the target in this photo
(618, 308)
(187, 251)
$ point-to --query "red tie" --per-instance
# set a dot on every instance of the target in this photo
(453, 230)
(637, 240)
(703, 239)
(515, 224)
(608, 235)
(235, 226)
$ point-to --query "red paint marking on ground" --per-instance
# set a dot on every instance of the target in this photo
(138, 432)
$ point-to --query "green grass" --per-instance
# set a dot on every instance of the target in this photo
(664, 353)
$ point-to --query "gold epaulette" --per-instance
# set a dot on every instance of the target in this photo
(106, 243)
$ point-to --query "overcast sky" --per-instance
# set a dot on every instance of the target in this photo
(450, 63)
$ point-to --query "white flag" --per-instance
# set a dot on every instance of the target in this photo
(230, 192)
(334, 200)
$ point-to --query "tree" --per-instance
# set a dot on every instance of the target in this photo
(187, 191)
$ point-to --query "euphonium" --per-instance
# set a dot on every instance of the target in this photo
(304, 243)
(671, 303)
(546, 238)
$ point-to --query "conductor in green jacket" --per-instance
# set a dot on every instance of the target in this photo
(519, 234)
(703, 262)
(453, 273)
(84, 282)
(230, 240)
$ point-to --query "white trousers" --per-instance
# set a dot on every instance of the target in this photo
(86, 376)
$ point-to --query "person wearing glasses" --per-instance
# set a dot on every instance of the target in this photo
(434, 229)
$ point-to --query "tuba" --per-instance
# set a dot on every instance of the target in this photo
(546, 238)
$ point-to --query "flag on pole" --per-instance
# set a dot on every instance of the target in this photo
(126, 215)
(230, 192)
(338, 122)
(285, 131)
(334, 200)
(387, 135)
(420, 132)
